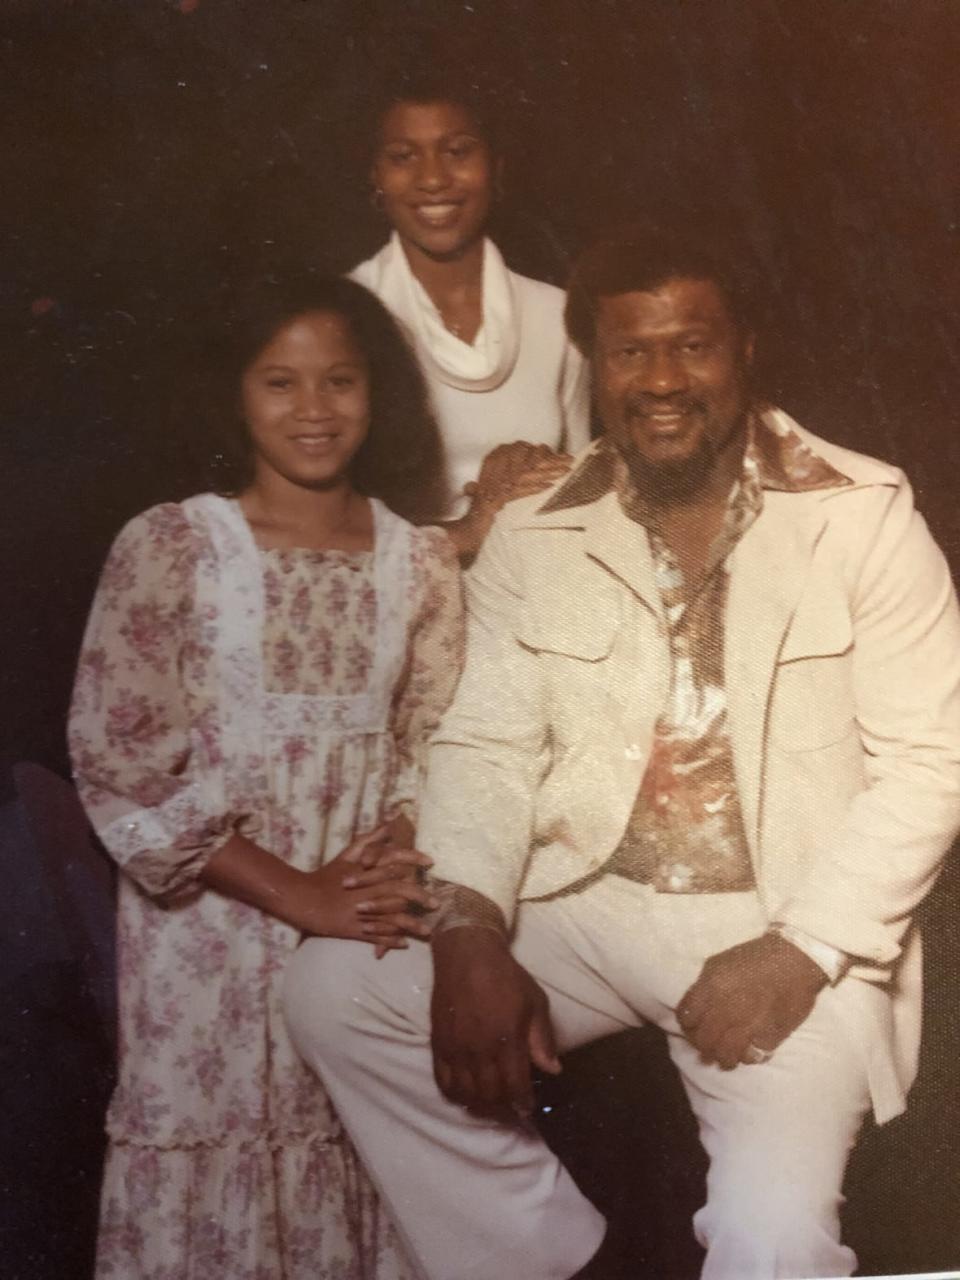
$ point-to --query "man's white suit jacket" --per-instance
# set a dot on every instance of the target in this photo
(842, 669)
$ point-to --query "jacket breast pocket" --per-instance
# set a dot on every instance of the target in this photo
(579, 681)
(584, 640)
(812, 704)
(565, 620)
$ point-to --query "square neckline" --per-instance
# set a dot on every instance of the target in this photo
(311, 552)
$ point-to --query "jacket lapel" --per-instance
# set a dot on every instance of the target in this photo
(610, 539)
(768, 572)
(623, 548)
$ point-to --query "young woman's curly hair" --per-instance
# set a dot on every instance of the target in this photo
(400, 460)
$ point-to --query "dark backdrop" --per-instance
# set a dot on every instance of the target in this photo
(154, 148)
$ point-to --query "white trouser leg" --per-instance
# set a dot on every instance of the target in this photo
(476, 1200)
(473, 1200)
(778, 1136)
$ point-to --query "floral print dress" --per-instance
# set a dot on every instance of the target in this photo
(283, 694)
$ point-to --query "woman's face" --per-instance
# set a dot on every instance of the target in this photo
(306, 401)
(435, 171)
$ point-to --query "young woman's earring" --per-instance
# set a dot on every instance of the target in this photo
(376, 198)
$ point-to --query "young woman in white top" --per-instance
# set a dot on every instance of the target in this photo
(509, 391)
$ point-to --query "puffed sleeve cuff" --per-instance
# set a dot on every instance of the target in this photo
(166, 847)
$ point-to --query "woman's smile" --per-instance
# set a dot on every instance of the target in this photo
(306, 401)
(436, 214)
(434, 175)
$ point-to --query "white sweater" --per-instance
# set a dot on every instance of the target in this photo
(543, 400)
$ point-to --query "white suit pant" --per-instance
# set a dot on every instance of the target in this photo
(476, 1200)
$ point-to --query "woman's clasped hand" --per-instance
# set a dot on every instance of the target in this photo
(369, 892)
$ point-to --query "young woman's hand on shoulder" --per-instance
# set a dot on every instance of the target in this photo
(509, 471)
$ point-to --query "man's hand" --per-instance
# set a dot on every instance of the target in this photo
(748, 998)
(490, 1021)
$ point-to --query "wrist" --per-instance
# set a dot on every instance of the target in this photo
(305, 903)
(460, 534)
(829, 959)
(245, 871)
(470, 529)
(468, 938)
(460, 906)
(801, 965)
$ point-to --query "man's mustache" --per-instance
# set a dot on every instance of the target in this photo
(643, 406)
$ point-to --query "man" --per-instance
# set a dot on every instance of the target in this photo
(703, 763)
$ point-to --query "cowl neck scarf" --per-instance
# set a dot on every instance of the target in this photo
(478, 366)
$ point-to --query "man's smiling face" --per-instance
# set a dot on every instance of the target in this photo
(670, 371)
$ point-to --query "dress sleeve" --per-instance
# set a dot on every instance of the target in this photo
(134, 735)
(433, 662)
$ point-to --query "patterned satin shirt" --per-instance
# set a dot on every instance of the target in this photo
(686, 832)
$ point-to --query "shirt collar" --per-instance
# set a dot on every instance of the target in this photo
(775, 458)
(786, 462)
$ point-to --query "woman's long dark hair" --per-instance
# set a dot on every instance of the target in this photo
(400, 460)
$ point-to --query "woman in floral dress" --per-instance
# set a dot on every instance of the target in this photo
(258, 676)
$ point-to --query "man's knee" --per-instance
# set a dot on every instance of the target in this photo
(320, 993)
(336, 993)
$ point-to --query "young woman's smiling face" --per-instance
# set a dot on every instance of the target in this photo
(306, 401)
(435, 172)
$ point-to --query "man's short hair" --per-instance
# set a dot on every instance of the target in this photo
(639, 259)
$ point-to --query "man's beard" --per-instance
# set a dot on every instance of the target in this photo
(665, 483)
(668, 483)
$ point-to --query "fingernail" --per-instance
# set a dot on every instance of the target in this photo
(433, 903)
(349, 881)
(364, 906)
